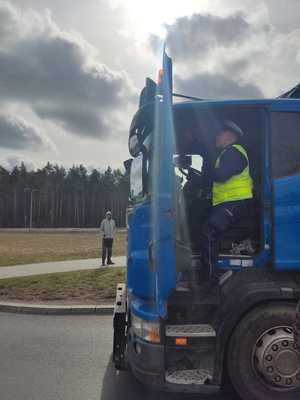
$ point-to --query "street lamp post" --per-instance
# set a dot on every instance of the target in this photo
(31, 204)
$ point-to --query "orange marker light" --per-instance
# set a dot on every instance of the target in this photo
(160, 76)
(182, 341)
(154, 336)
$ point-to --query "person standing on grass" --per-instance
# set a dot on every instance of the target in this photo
(108, 229)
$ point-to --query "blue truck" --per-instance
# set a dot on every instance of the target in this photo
(241, 331)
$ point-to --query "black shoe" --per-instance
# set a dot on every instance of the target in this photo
(110, 262)
(103, 265)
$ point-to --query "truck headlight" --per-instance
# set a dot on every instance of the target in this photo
(146, 330)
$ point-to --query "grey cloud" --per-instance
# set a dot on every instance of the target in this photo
(236, 67)
(216, 86)
(219, 54)
(195, 35)
(54, 68)
(8, 19)
(281, 15)
(59, 75)
(11, 161)
(156, 43)
(16, 133)
(284, 15)
(80, 121)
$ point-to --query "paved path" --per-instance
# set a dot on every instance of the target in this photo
(55, 230)
(53, 267)
(67, 358)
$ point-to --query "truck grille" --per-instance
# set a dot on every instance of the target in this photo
(191, 330)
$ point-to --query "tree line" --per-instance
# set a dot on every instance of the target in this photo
(55, 197)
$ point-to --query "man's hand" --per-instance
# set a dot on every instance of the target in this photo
(195, 177)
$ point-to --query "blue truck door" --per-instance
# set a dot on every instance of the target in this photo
(285, 175)
(163, 215)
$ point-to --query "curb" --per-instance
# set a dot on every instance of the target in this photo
(43, 309)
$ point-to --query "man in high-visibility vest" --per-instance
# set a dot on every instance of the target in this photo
(231, 193)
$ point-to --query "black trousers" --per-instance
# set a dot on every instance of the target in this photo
(107, 249)
(221, 217)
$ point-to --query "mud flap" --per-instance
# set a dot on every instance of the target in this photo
(120, 328)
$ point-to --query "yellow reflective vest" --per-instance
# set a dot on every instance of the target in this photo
(238, 187)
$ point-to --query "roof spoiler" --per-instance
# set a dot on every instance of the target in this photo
(292, 93)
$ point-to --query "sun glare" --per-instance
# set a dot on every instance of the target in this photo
(149, 17)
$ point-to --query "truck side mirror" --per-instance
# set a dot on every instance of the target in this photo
(127, 165)
(182, 161)
(148, 93)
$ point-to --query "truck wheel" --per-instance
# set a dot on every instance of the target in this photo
(262, 360)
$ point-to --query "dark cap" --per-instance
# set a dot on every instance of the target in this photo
(233, 127)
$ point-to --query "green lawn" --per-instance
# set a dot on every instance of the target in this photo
(32, 247)
(84, 287)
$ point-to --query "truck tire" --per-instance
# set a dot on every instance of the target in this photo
(297, 328)
(262, 361)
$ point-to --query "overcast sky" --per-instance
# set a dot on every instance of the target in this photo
(71, 70)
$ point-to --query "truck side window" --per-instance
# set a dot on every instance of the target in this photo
(136, 178)
(285, 144)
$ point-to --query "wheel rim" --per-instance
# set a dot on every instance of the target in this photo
(276, 359)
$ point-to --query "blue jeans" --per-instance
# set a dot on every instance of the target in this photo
(107, 244)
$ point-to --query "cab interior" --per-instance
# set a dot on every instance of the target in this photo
(196, 128)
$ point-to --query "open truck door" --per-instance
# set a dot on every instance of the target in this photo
(151, 262)
(163, 207)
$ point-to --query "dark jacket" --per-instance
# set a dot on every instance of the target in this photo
(232, 162)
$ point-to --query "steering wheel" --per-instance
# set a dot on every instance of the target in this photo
(194, 172)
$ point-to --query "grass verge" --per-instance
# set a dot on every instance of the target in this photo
(33, 247)
(80, 287)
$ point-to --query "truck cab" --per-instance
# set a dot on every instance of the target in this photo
(184, 337)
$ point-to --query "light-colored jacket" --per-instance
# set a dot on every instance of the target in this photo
(108, 228)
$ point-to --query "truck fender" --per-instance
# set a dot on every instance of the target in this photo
(250, 295)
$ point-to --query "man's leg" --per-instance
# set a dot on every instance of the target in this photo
(104, 249)
(109, 251)
(220, 219)
(209, 250)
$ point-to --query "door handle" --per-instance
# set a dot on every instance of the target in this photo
(150, 255)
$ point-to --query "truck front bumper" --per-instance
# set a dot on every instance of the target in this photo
(147, 362)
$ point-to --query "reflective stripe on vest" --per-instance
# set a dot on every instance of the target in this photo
(238, 187)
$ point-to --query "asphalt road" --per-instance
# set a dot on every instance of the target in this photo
(66, 358)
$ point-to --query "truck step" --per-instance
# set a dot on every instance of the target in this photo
(190, 330)
(188, 377)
